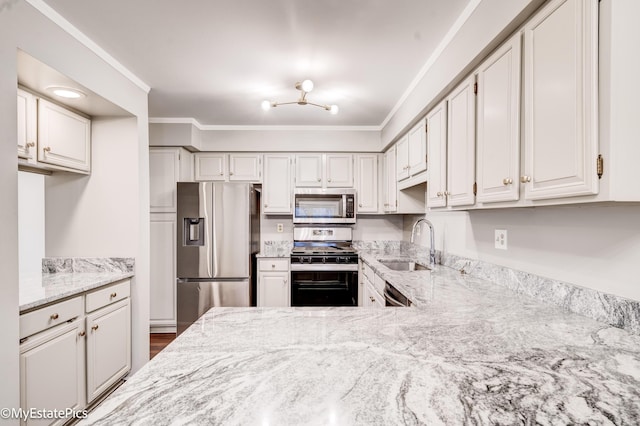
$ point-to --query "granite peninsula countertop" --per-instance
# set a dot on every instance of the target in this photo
(468, 353)
(63, 278)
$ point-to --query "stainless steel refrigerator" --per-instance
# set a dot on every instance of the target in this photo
(218, 235)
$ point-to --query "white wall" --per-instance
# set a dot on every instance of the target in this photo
(23, 27)
(31, 219)
(591, 246)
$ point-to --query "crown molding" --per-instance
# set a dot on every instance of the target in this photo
(455, 28)
(74, 32)
(194, 122)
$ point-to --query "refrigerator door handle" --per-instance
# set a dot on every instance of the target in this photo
(205, 204)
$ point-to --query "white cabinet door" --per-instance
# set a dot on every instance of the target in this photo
(64, 137)
(417, 144)
(560, 107)
(309, 170)
(339, 170)
(245, 167)
(52, 370)
(27, 124)
(402, 158)
(274, 289)
(210, 166)
(498, 139)
(164, 172)
(108, 347)
(163, 271)
(367, 183)
(461, 142)
(390, 181)
(437, 155)
(277, 190)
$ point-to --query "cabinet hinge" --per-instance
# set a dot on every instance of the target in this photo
(475, 88)
(426, 127)
(600, 166)
(475, 188)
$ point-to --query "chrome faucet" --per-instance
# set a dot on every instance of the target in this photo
(432, 250)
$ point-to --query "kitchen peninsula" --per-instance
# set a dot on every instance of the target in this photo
(468, 352)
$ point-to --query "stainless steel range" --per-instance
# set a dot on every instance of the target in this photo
(324, 267)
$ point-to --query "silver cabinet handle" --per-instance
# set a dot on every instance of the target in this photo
(439, 194)
(221, 174)
(47, 149)
(359, 205)
(230, 173)
(447, 193)
(273, 265)
(31, 145)
(266, 205)
(507, 181)
(329, 180)
(81, 334)
(319, 180)
(525, 179)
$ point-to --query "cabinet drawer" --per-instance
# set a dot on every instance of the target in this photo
(108, 295)
(379, 283)
(368, 272)
(274, 265)
(49, 316)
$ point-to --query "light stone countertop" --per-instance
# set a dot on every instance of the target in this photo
(40, 289)
(470, 352)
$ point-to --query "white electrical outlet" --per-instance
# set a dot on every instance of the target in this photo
(280, 227)
(501, 239)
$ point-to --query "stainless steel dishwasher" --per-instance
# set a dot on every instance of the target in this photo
(393, 297)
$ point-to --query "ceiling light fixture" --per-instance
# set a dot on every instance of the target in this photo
(66, 92)
(305, 87)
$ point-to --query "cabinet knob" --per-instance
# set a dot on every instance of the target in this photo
(439, 194)
(230, 173)
(525, 179)
(329, 180)
(31, 144)
(319, 179)
(273, 265)
(386, 204)
(95, 327)
(54, 316)
(81, 334)
(359, 205)
(47, 149)
(507, 181)
(372, 299)
(447, 193)
(266, 205)
(114, 294)
(285, 281)
(221, 174)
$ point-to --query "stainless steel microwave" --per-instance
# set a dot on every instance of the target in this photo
(316, 205)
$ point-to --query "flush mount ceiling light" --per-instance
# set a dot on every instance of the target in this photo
(66, 92)
(305, 87)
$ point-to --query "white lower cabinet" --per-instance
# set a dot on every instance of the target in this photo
(52, 374)
(163, 272)
(274, 288)
(368, 295)
(108, 347)
(67, 358)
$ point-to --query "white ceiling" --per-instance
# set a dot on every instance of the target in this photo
(216, 60)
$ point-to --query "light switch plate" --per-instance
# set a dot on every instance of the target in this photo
(501, 239)
(280, 227)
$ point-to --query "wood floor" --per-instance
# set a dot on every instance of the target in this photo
(158, 341)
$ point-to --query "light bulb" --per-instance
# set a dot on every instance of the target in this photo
(334, 109)
(266, 105)
(307, 85)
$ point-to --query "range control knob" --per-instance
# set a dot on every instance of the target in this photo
(308, 259)
(338, 259)
(324, 259)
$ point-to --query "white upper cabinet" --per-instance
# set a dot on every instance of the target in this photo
(167, 166)
(390, 181)
(27, 124)
(309, 170)
(216, 166)
(339, 170)
(417, 144)
(461, 142)
(367, 183)
(560, 101)
(64, 137)
(324, 170)
(402, 158)
(245, 167)
(498, 138)
(277, 188)
(210, 166)
(437, 155)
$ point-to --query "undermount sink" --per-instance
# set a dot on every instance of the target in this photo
(403, 265)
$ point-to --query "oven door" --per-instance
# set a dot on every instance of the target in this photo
(324, 288)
